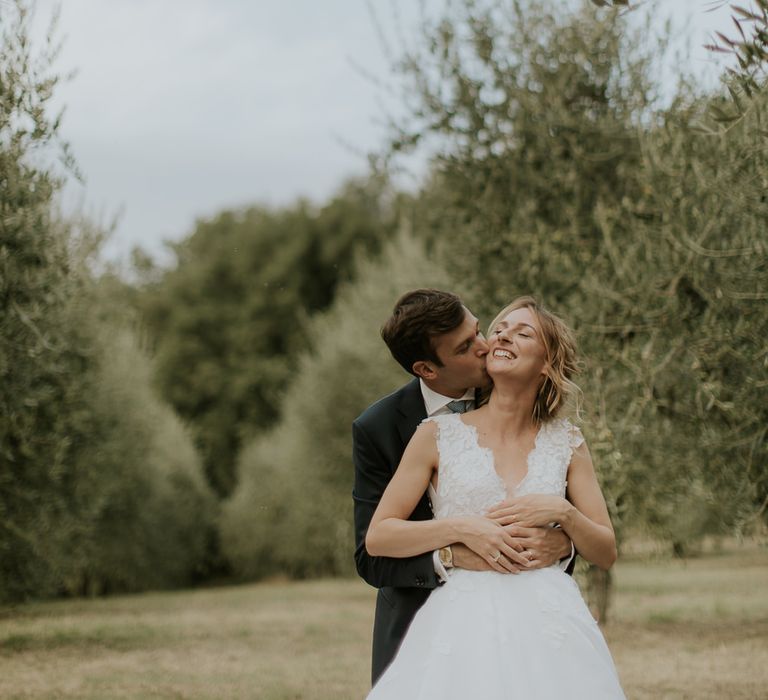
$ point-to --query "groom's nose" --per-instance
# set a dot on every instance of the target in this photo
(482, 346)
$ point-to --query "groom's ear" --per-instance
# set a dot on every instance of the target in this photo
(424, 370)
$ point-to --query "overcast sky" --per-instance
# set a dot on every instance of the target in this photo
(183, 107)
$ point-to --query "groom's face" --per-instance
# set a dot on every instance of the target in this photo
(462, 353)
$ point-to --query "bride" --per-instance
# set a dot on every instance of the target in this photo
(510, 632)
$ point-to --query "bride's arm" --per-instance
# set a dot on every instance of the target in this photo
(391, 534)
(586, 520)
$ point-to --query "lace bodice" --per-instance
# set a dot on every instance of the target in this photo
(467, 481)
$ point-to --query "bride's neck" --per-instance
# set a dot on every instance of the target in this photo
(511, 411)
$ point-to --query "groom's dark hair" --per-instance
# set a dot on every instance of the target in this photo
(418, 318)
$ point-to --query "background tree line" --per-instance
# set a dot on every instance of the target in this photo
(226, 323)
(100, 485)
(558, 167)
(199, 415)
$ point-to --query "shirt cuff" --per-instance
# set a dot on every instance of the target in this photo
(566, 561)
(442, 574)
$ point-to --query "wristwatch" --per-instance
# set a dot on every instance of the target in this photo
(446, 557)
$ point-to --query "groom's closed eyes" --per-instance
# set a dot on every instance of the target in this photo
(465, 345)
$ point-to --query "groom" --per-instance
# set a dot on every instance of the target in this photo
(434, 337)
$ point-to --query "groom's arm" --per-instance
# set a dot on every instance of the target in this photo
(372, 474)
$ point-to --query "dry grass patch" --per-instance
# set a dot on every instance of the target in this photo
(694, 629)
(267, 641)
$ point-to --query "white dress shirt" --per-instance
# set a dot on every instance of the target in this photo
(437, 405)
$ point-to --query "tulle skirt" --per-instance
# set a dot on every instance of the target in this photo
(502, 636)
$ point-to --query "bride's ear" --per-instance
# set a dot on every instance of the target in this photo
(424, 370)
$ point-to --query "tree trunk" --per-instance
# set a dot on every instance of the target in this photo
(599, 592)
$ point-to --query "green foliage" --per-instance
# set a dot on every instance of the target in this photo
(750, 49)
(539, 116)
(151, 512)
(100, 487)
(535, 112)
(555, 172)
(292, 510)
(37, 358)
(689, 288)
(228, 321)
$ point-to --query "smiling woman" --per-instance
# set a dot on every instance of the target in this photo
(559, 346)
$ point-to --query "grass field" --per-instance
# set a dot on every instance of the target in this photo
(690, 629)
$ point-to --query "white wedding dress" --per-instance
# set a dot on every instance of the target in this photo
(500, 636)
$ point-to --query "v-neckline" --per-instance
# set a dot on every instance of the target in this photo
(492, 457)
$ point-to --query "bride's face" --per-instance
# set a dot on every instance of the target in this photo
(517, 348)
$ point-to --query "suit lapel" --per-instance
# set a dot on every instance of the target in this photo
(411, 411)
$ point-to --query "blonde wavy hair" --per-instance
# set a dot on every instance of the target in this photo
(562, 360)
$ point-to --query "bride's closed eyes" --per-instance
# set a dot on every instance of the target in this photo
(524, 332)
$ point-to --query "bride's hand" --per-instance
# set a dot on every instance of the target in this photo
(493, 543)
(534, 510)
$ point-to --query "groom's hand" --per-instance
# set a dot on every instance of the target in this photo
(465, 558)
(544, 546)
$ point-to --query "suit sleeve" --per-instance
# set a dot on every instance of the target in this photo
(372, 474)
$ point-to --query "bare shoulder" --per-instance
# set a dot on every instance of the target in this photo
(422, 449)
(426, 433)
(572, 432)
(581, 458)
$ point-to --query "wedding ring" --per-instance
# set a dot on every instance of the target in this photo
(497, 557)
(528, 554)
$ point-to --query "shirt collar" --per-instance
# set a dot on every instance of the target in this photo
(433, 401)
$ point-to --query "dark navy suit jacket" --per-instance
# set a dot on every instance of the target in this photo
(379, 437)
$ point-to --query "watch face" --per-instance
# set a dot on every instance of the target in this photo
(445, 557)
